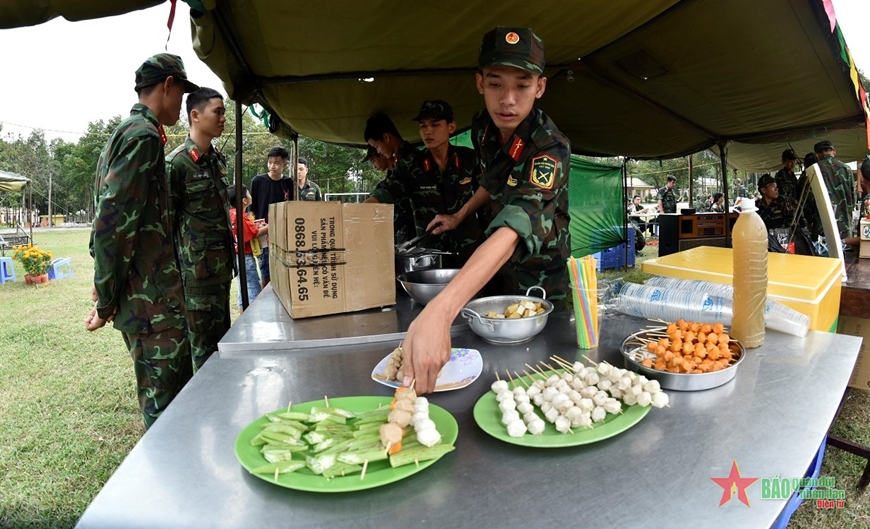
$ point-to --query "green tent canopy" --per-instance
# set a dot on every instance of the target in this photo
(638, 78)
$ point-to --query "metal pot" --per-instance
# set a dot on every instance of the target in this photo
(411, 263)
(423, 285)
(504, 331)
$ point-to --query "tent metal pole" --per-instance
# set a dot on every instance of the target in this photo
(30, 210)
(629, 243)
(723, 158)
(691, 185)
(240, 211)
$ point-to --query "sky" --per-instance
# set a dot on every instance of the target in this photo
(61, 75)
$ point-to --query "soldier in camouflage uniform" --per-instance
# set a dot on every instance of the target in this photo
(840, 182)
(438, 180)
(137, 282)
(667, 201)
(381, 134)
(198, 176)
(775, 213)
(786, 181)
(307, 189)
(525, 163)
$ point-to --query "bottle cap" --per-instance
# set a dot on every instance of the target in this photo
(747, 205)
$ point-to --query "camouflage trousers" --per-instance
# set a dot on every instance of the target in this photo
(208, 319)
(554, 281)
(161, 361)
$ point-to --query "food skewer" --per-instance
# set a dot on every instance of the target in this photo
(538, 371)
(510, 378)
(564, 366)
(521, 380)
(561, 361)
(591, 361)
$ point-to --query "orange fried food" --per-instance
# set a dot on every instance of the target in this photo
(692, 347)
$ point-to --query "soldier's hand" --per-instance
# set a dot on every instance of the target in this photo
(94, 321)
(94, 293)
(426, 349)
(442, 223)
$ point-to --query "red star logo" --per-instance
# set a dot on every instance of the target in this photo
(734, 481)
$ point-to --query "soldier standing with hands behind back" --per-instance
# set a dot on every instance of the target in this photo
(525, 162)
(198, 176)
(137, 281)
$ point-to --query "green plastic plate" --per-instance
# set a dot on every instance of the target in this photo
(488, 417)
(377, 474)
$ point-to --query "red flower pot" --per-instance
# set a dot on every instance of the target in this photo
(35, 279)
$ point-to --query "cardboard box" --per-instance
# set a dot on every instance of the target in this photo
(807, 284)
(329, 257)
(864, 228)
(858, 327)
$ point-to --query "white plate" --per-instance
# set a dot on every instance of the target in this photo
(463, 368)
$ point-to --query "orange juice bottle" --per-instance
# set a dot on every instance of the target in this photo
(749, 242)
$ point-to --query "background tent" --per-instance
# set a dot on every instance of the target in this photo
(12, 182)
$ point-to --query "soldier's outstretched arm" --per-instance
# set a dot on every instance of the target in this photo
(427, 344)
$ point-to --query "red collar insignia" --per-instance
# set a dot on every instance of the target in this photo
(516, 149)
(194, 154)
(162, 134)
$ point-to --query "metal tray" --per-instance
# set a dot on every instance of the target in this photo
(635, 351)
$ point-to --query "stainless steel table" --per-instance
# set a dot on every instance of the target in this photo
(266, 326)
(771, 419)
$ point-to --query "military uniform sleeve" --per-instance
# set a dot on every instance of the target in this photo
(530, 207)
(318, 193)
(117, 217)
(394, 187)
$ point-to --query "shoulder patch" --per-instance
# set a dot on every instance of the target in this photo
(544, 170)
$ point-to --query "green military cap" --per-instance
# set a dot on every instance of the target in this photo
(509, 46)
(370, 153)
(157, 68)
(822, 146)
(435, 109)
(765, 180)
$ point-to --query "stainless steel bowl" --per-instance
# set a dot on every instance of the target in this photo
(505, 331)
(423, 285)
(635, 351)
(413, 261)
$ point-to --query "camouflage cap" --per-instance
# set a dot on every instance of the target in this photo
(765, 180)
(509, 46)
(789, 154)
(157, 68)
(823, 145)
(370, 152)
(435, 109)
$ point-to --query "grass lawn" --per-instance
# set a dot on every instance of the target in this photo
(68, 411)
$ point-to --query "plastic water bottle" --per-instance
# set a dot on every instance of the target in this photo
(777, 316)
(750, 276)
